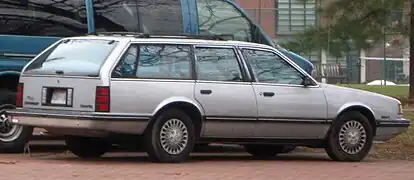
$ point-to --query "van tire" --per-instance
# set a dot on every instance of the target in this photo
(15, 142)
(336, 151)
(87, 147)
(153, 140)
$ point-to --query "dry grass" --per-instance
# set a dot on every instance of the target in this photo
(402, 146)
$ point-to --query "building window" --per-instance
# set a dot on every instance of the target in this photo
(294, 15)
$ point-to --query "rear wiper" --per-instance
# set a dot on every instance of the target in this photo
(52, 59)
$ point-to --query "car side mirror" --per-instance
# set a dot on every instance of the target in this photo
(307, 81)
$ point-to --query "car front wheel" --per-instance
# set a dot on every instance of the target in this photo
(350, 138)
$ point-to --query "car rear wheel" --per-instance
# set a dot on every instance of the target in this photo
(350, 138)
(87, 147)
(13, 137)
(171, 138)
(262, 150)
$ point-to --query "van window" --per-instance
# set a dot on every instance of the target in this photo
(155, 61)
(217, 17)
(43, 18)
(148, 16)
(75, 57)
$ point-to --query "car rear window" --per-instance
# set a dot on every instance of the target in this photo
(74, 57)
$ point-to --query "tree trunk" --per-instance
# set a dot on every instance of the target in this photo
(411, 73)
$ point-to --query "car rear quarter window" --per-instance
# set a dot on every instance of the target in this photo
(74, 57)
(155, 61)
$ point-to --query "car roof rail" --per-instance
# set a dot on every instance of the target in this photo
(222, 37)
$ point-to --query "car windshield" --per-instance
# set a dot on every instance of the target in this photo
(74, 57)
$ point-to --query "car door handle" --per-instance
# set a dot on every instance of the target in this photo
(268, 94)
(205, 91)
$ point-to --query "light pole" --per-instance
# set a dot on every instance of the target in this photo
(384, 68)
(260, 13)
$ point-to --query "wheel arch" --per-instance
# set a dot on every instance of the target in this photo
(363, 109)
(190, 107)
(9, 79)
(7, 106)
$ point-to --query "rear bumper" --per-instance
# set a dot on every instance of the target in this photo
(71, 121)
(387, 130)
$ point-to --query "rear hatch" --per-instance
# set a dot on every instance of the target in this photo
(66, 76)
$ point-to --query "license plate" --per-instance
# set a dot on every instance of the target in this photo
(58, 97)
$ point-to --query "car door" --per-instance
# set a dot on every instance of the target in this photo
(149, 74)
(286, 108)
(225, 93)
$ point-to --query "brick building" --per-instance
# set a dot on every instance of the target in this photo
(281, 17)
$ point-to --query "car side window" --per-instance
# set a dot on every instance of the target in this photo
(268, 67)
(155, 62)
(217, 64)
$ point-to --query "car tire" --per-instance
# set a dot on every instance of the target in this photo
(13, 138)
(350, 138)
(262, 150)
(87, 147)
(180, 125)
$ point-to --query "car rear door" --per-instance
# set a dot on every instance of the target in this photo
(224, 92)
(149, 75)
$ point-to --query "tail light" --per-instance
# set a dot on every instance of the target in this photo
(102, 99)
(19, 95)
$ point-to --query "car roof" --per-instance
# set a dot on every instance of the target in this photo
(172, 39)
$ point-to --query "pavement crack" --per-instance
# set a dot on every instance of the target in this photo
(8, 162)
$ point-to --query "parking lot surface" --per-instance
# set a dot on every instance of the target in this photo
(208, 166)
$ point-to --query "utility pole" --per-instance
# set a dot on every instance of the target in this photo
(411, 73)
(384, 65)
(260, 13)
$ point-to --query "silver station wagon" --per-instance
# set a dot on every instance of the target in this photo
(173, 92)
